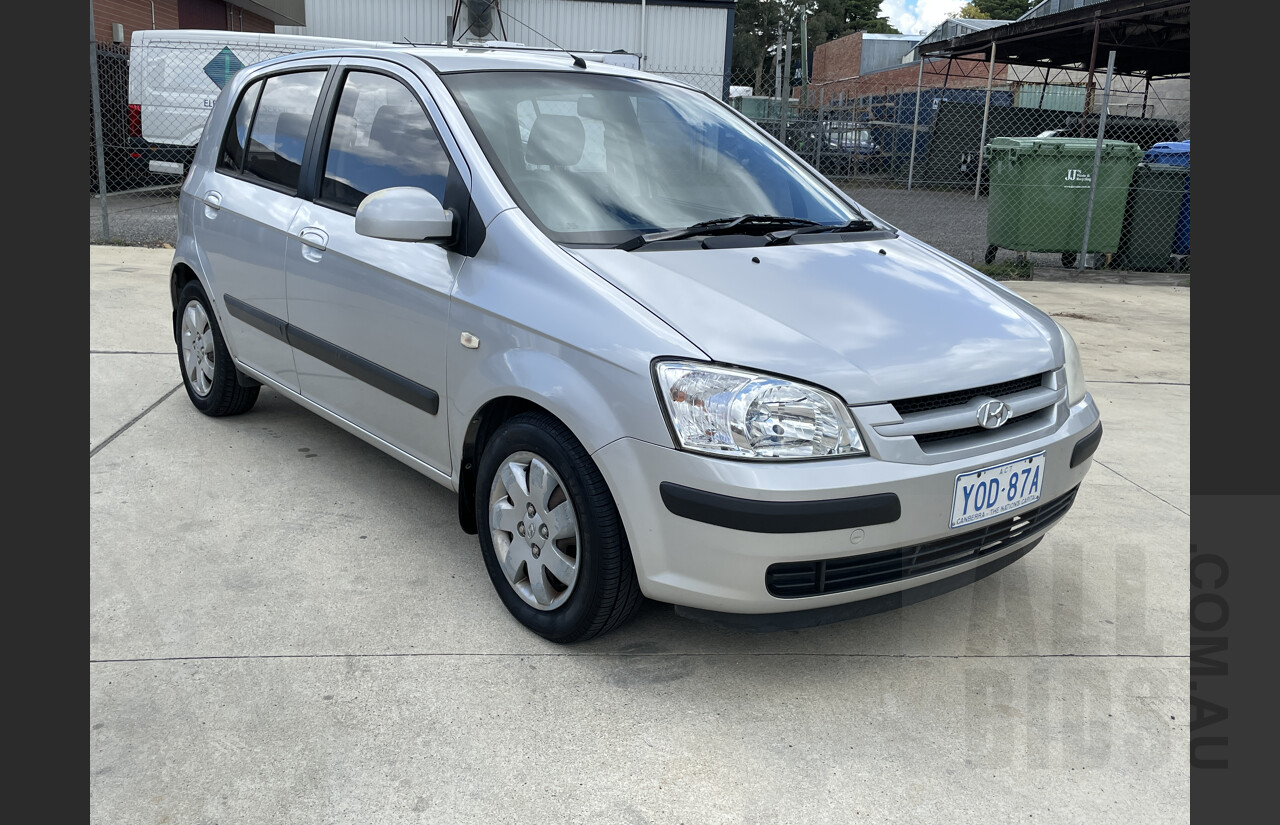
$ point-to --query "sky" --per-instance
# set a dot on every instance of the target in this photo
(918, 16)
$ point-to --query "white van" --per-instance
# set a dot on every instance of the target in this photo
(175, 75)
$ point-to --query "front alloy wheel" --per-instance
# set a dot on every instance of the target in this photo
(535, 531)
(550, 532)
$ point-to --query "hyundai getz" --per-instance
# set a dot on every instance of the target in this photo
(655, 354)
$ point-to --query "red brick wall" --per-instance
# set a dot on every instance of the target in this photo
(837, 67)
(136, 14)
(249, 22)
(837, 58)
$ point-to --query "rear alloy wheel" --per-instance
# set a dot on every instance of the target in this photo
(207, 370)
(550, 533)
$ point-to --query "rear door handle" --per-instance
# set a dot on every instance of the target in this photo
(212, 203)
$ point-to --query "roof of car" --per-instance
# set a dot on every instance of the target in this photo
(472, 58)
(448, 59)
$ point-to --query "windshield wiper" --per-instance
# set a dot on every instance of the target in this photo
(744, 224)
(857, 225)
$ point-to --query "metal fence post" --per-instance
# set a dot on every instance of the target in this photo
(821, 131)
(97, 127)
(786, 88)
(915, 126)
(1097, 161)
(986, 111)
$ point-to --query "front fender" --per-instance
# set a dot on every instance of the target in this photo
(599, 401)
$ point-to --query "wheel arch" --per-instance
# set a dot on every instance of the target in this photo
(483, 424)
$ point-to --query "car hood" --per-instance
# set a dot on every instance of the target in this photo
(872, 320)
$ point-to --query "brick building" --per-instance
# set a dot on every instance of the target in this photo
(245, 15)
(862, 64)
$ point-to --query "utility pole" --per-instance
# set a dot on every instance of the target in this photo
(804, 58)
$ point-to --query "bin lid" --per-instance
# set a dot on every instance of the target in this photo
(1177, 152)
(1065, 145)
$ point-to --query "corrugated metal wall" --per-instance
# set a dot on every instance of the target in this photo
(1055, 97)
(883, 52)
(680, 40)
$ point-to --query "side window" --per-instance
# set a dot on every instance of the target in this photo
(237, 137)
(279, 131)
(381, 138)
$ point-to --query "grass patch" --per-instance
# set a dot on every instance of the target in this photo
(1015, 270)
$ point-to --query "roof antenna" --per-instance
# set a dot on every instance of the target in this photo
(578, 62)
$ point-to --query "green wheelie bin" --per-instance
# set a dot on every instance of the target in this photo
(1151, 216)
(1039, 194)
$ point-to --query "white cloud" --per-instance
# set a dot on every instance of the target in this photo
(919, 16)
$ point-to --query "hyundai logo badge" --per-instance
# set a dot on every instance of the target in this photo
(993, 413)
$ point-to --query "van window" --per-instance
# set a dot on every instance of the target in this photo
(237, 136)
(279, 131)
(381, 138)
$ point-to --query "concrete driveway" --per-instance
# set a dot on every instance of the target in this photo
(288, 626)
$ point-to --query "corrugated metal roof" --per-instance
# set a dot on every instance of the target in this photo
(1048, 7)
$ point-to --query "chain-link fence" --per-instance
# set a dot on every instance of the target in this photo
(1011, 176)
(150, 104)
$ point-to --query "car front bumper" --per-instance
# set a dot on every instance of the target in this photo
(716, 537)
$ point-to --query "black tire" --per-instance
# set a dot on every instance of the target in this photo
(602, 592)
(1069, 260)
(207, 370)
(990, 257)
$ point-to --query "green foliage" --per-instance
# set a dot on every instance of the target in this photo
(1002, 9)
(1019, 269)
(971, 12)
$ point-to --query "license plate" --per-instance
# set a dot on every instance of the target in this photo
(989, 492)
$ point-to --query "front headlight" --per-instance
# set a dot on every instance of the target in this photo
(744, 415)
(1075, 372)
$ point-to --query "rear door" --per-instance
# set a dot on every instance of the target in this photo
(369, 317)
(248, 204)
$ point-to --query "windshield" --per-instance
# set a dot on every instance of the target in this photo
(597, 159)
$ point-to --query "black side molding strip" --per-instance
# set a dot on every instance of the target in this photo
(815, 617)
(1086, 446)
(779, 516)
(256, 318)
(392, 383)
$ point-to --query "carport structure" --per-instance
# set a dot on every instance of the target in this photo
(1151, 40)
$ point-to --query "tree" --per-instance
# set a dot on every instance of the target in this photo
(1002, 9)
(864, 15)
(755, 27)
(971, 12)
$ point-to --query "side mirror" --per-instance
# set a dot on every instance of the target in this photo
(404, 213)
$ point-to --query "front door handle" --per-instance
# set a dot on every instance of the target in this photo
(314, 242)
(314, 237)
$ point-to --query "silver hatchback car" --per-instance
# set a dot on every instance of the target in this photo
(655, 354)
